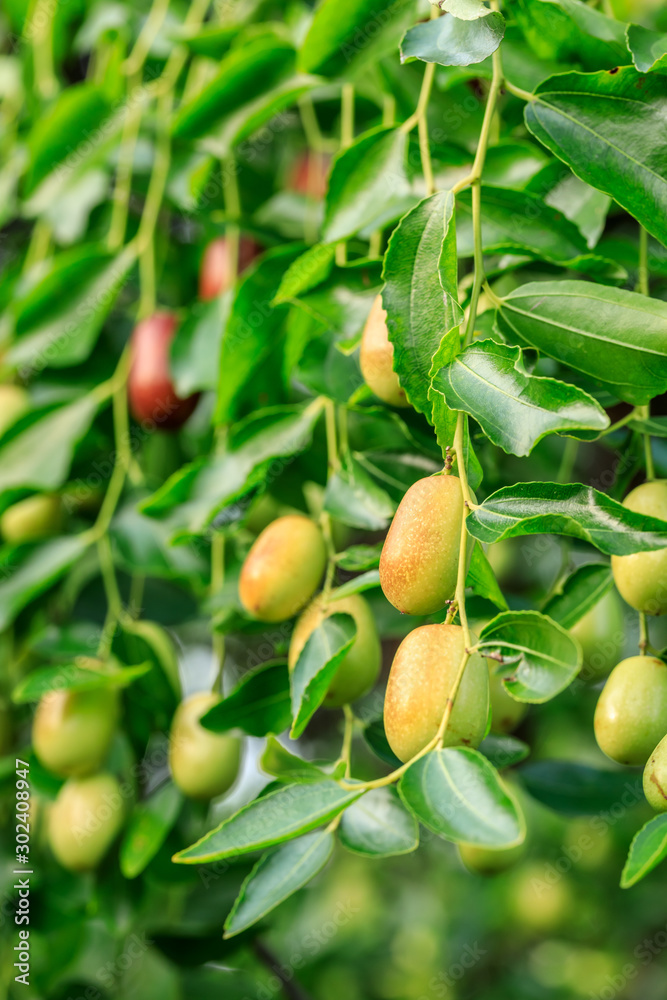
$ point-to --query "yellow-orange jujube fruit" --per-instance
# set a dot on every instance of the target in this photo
(376, 358)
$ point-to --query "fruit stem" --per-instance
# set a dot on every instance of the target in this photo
(348, 732)
(643, 633)
(642, 273)
(123, 185)
(346, 140)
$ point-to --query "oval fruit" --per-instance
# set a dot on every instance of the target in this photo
(283, 568)
(359, 668)
(72, 730)
(376, 358)
(84, 821)
(14, 402)
(216, 273)
(420, 682)
(506, 713)
(32, 518)
(420, 556)
(203, 764)
(655, 777)
(537, 900)
(483, 861)
(601, 633)
(631, 713)
(151, 390)
(309, 174)
(641, 578)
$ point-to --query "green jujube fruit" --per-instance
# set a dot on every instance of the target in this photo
(14, 402)
(420, 682)
(84, 820)
(641, 578)
(283, 568)
(631, 713)
(72, 730)
(483, 861)
(655, 777)
(203, 764)
(359, 668)
(601, 633)
(32, 518)
(420, 556)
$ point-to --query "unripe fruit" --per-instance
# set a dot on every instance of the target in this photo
(420, 556)
(72, 730)
(537, 900)
(216, 273)
(283, 568)
(203, 764)
(655, 777)
(482, 861)
(84, 821)
(14, 402)
(359, 668)
(309, 174)
(602, 636)
(35, 517)
(506, 713)
(631, 713)
(151, 391)
(641, 578)
(376, 358)
(420, 682)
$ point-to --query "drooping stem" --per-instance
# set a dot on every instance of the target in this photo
(348, 732)
(346, 140)
(643, 634)
(147, 36)
(642, 273)
(40, 31)
(156, 186)
(123, 186)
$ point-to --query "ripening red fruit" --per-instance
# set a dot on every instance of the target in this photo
(309, 174)
(151, 391)
(216, 271)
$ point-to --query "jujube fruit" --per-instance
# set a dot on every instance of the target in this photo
(641, 578)
(203, 764)
(484, 861)
(538, 903)
(631, 713)
(376, 358)
(216, 273)
(72, 730)
(359, 668)
(283, 568)
(35, 517)
(602, 636)
(84, 821)
(420, 682)
(420, 556)
(506, 712)
(309, 174)
(14, 402)
(655, 777)
(151, 391)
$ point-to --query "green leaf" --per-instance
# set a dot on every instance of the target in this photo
(367, 581)
(42, 567)
(421, 310)
(579, 593)
(449, 41)
(379, 826)
(141, 545)
(577, 789)
(317, 664)
(367, 185)
(306, 272)
(566, 509)
(360, 557)
(286, 766)
(277, 816)
(655, 426)
(276, 876)
(612, 335)
(354, 498)
(571, 31)
(647, 850)
(147, 829)
(346, 35)
(72, 677)
(457, 794)
(503, 750)
(376, 738)
(154, 642)
(39, 454)
(514, 408)
(482, 579)
(259, 705)
(253, 327)
(467, 10)
(597, 123)
(195, 349)
(56, 324)
(648, 48)
(541, 658)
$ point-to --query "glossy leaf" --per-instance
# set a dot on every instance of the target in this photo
(647, 850)
(540, 657)
(148, 828)
(286, 766)
(503, 750)
(482, 579)
(277, 816)
(376, 739)
(514, 408)
(353, 498)
(612, 335)
(368, 182)
(345, 35)
(571, 31)
(449, 41)
(306, 272)
(260, 704)
(366, 581)
(72, 677)
(379, 826)
(596, 123)
(195, 349)
(467, 10)
(560, 509)
(277, 876)
(457, 794)
(40, 569)
(316, 666)
(360, 557)
(577, 789)
(580, 592)
(648, 49)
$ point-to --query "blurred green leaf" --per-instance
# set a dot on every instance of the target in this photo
(503, 750)
(577, 789)
(195, 349)
(286, 766)
(148, 827)
(571, 31)
(648, 48)
(580, 592)
(316, 666)
(353, 498)
(366, 581)
(41, 567)
(72, 677)
(346, 35)
(360, 557)
(260, 704)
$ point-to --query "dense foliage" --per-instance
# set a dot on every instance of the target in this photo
(334, 526)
